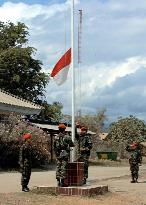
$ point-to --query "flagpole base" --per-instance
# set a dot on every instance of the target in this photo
(75, 174)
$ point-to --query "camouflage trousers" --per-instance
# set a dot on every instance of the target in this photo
(134, 168)
(84, 158)
(26, 173)
(61, 169)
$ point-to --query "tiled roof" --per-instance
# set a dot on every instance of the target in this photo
(9, 99)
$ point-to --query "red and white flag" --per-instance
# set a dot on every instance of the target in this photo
(60, 70)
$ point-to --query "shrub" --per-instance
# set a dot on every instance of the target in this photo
(11, 133)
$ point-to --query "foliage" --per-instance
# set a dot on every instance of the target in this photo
(11, 139)
(18, 67)
(127, 129)
(95, 123)
(52, 112)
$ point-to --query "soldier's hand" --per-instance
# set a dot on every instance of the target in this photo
(77, 125)
(82, 149)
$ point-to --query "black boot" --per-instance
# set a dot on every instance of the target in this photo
(62, 184)
(84, 181)
(58, 182)
(25, 189)
(133, 179)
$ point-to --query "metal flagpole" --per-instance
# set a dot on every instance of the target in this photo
(73, 78)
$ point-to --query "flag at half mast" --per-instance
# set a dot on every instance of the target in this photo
(60, 70)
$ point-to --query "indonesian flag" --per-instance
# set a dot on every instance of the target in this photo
(60, 71)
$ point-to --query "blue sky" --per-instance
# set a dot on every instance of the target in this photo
(113, 53)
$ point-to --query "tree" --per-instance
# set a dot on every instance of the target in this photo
(52, 112)
(127, 129)
(94, 122)
(20, 73)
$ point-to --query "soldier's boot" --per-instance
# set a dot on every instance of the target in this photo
(62, 184)
(58, 182)
(133, 179)
(25, 189)
(84, 181)
(136, 178)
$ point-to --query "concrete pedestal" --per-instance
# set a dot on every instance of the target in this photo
(74, 182)
(72, 191)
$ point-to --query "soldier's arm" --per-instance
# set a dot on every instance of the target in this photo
(140, 156)
(71, 144)
(128, 148)
(89, 143)
(55, 147)
(76, 134)
(21, 158)
(69, 141)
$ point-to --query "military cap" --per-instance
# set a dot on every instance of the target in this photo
(62, 126)
(27, 136)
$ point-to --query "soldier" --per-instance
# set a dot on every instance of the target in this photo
(25, 161)
(62, 145)
(84, 147)
(134, 160)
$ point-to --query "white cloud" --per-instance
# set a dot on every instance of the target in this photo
(102, 75)
(99, 83)
(113, 49)
(21, 11)
(130, 66)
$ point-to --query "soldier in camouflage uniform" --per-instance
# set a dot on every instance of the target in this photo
(84, 147)
(62, 145)
(134, 160)
(25, 162)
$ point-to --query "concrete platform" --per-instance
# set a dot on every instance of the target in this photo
(72, 191)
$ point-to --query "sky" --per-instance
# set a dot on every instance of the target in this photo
(112, 72)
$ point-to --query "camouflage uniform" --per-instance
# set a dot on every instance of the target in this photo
(62, 144)
(25, 164)
(84, 147)
(134, 161)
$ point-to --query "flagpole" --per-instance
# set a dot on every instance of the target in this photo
(73, 78)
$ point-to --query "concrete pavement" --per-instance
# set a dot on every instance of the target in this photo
(10, 181)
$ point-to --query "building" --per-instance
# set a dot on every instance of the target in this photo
(103, 135)
(10, 103)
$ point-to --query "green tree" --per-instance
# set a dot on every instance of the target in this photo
(52, 112)
(20, 72)
(127, 130)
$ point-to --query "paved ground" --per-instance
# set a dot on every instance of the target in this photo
(122, 192)
(10, 182)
